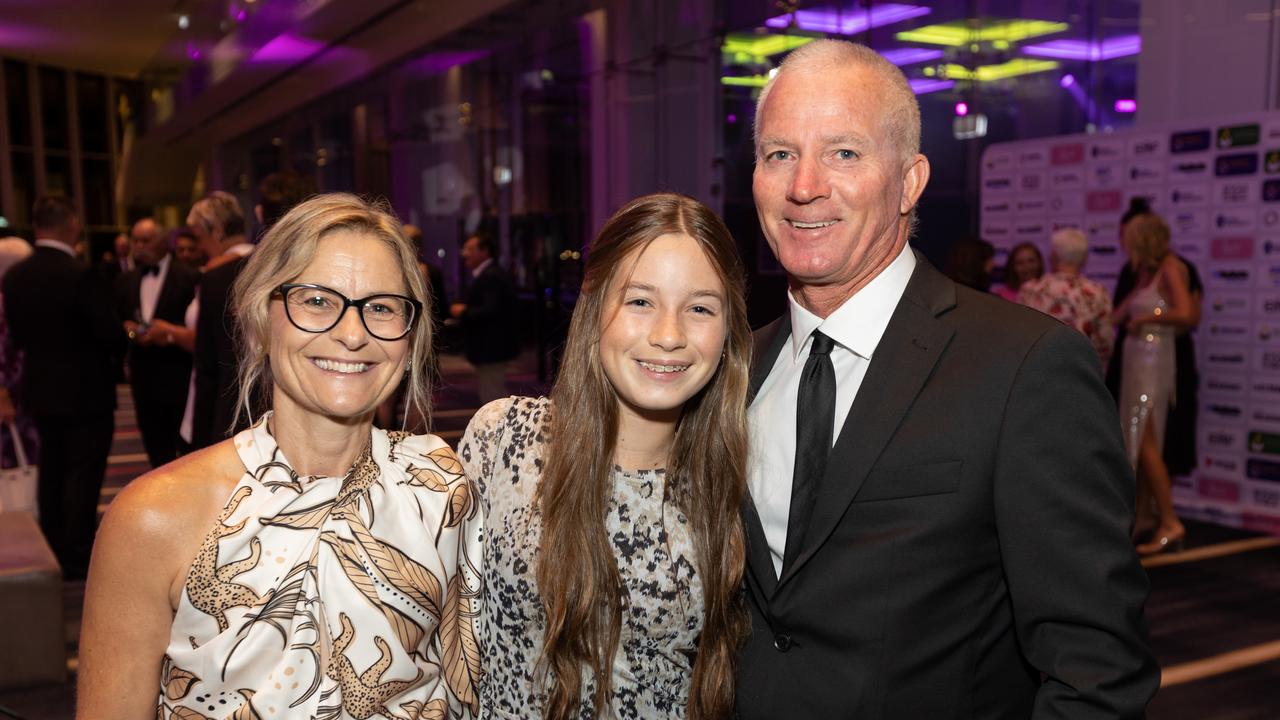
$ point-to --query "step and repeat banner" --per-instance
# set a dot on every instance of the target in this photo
(1217, 183)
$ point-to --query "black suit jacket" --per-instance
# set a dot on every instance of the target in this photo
(162, 368)
(489, 326)
(971, 533)
(62, 317)
(217, 386)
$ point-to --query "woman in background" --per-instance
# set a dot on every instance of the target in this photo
(13, 250)
(311, 566)
(614, 551)
(1024, 263)
(1157, 308)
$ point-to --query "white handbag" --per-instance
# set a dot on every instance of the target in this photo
(18, 484)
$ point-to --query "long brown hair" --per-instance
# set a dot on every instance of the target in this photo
(577, 575)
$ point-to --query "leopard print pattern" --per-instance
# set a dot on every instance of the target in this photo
(501, 451)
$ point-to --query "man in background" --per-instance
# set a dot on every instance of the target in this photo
(62, 317)
(490, 335)
(159, 288)
(217, 387)
(186, 248)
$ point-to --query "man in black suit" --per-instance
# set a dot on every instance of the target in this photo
(219, 222)
(939, 496)
(61, 316)
(158, 288)
(490, 338)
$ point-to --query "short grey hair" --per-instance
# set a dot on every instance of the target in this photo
(1070, 246)
(829, 55)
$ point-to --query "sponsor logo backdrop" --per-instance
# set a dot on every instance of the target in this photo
(1217, 183)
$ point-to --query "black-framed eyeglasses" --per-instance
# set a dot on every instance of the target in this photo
(317, 309)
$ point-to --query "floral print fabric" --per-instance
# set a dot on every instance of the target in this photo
(333, 597)
(1079, 302)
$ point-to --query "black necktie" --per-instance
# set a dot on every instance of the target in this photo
(815, 417)
(149, 270)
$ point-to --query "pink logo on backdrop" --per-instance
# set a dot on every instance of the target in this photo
(1261, 523)
(1072, 154)
(1104, 201)
(1216, 489)
(1231, 248)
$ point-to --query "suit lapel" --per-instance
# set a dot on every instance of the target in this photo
(768, 342)
(133, 282)
(903, 361)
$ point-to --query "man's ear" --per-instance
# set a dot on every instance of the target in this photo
(257, 212)
(913, 182)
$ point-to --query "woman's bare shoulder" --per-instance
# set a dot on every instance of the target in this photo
(177, 499)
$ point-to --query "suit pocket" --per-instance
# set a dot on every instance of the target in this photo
(907, 481)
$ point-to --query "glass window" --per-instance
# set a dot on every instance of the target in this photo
(97, 192)
(91, 106)
(17, 91)
(53, 109)
(57, 175)
(24, 188)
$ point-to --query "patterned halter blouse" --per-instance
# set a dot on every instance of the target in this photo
(333, 597)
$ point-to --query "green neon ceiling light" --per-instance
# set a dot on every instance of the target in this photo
(1003, 71)
(757, 81)
(959, 33)
(743, 48)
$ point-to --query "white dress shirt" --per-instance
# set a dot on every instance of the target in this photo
(481, 268)
(149, 289)
(46, 242)
(856, 327)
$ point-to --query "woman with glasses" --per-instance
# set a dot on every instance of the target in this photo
(311, 566)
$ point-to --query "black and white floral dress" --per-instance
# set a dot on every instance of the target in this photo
(502, 453)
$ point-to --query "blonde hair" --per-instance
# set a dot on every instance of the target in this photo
(220, 210)
(1147, 237)
(285, 251)
(1070, 246)
(833, 55)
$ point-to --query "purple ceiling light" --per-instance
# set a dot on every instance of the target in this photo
(1067, 80)
(848, 22)
(1109, 49)
(962, 109)
(286, 49)
(920, 86)
(1126, 106)
(437, 62)
(911, 55)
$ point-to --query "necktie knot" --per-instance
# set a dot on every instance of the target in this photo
(822, 344)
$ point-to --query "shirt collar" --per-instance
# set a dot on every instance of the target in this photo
(242, 249)
(50, 243)
(859, 323)
(163, 265)
(481, 268)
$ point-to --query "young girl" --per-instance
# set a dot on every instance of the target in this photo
(614, 548)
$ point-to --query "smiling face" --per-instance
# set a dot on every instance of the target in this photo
(832, 188)
(1026, 265)
(663, 327)
(344, 373)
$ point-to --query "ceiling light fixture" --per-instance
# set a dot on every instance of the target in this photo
(1002, 71)
(848, 22)
(959, 33)
(1109, 49)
